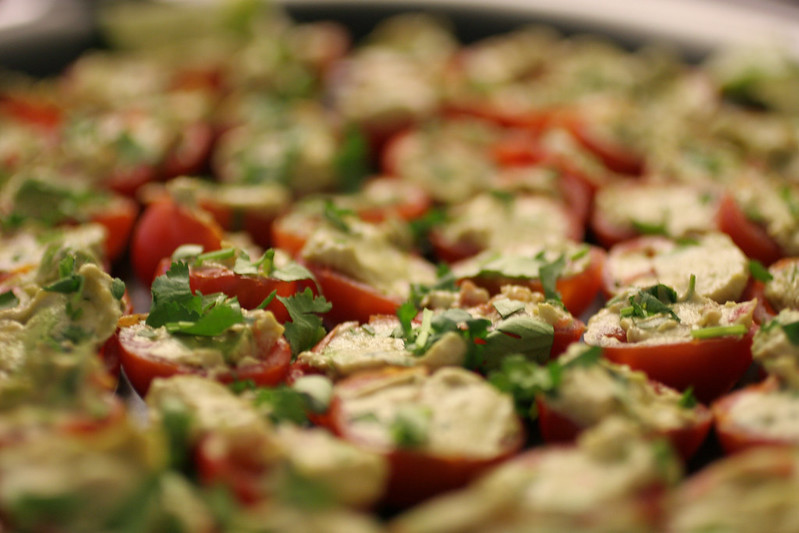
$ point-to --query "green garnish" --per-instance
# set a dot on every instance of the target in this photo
(647, 228)
(216, 255)
(305, 328)
(69, 280)
(283, 403)
(411, 426)
(549, 274)
(654, 300)
(8, 300)
(688, 400)
(719, 331)
(759, 272)
(691, 287)
(175, 307)
(791, 331)
(351, 161)
(524, 380)
(335, 216)
(118, 288)
(508, 307)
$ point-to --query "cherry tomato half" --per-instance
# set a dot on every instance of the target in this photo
(162, 228)
(141, 365)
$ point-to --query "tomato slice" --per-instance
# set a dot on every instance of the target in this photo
(250, 290)
(118, 219)
(351, 299)
(753, 240)
(557, 427)
(710, 366)
(414, 475)
(162, 228)
(732, 435)
(141, 366)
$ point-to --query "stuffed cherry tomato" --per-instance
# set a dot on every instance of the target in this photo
(775, 289)
(569, 271)
(250, 280)
(485, 222)
(758, 415)
(251, 350)
(687, 341)
(715, 267)
(591, 390)
(562, 488)
(361, 268)
(623, 211)
(431, 446)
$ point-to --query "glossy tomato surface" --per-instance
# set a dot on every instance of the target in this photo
(162, 228)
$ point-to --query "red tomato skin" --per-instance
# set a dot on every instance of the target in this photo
(557, 427)
(141, 368)
(734, 438)
(351, 299)
(710, 366)
(249, 290)
(753, 240)
(162, 228)
(118, 222)
(615, 157)
(566, 333)
(578, 292)
(415, 476)
(286, 239)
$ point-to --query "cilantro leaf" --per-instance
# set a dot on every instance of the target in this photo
(172, 299)
(549, 274)
(791, 331)
(518, 334)
(688, 400)
(215, 321)
(175, 307)
(759, 272)
(305, 328)
(654, 300)
(8, 300)
(507, 307)
(523, 380)
(283, 404)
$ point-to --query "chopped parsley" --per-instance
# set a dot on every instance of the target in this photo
(179, 310)
(524, 379)
(648, 228)
(283, 404)
(305, 328)
(8, 300)
(654, 300)
(759, 272)
(336, 216)
(688, 400)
